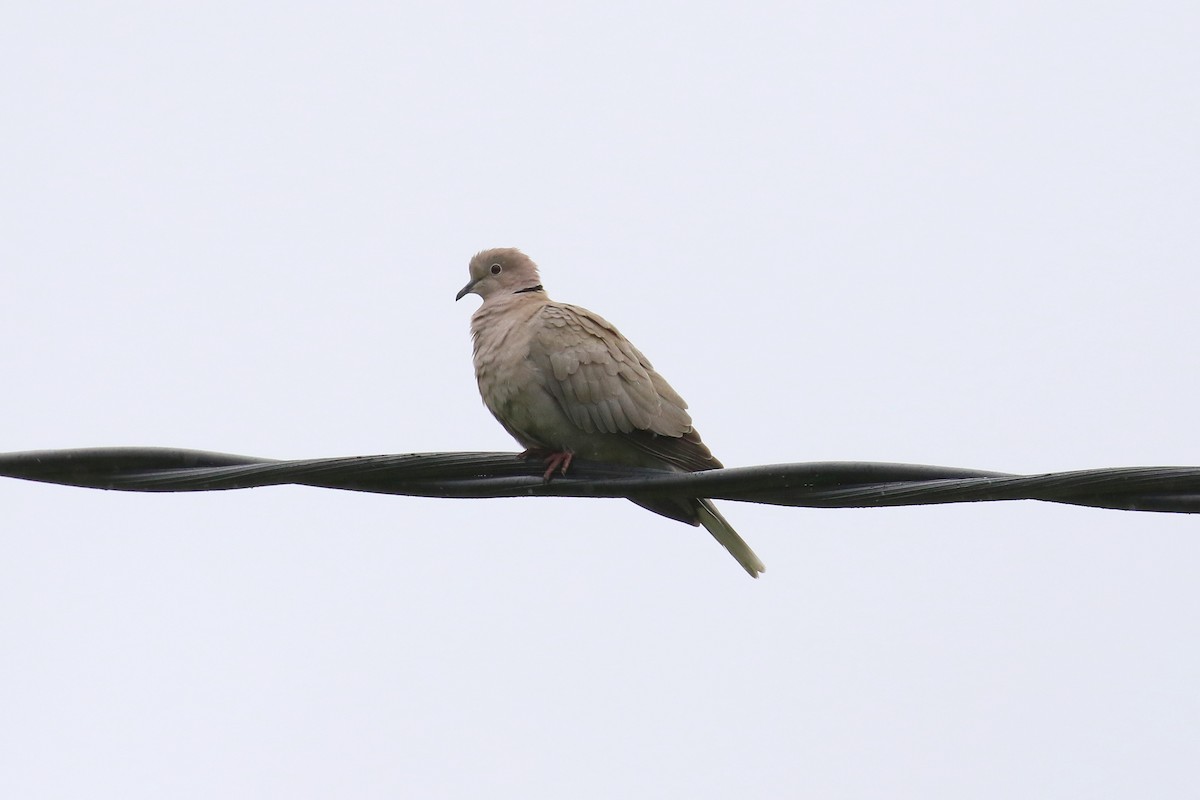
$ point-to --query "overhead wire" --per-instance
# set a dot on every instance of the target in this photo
(478, 475)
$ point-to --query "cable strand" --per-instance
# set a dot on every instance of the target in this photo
(479, 475)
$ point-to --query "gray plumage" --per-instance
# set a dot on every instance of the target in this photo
(564, 382)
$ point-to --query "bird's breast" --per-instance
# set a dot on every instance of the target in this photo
(509, 382)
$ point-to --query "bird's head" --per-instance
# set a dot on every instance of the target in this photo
(502, 270)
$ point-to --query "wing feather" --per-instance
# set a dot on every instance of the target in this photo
(604, 384)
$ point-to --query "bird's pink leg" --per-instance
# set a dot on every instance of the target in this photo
(555, 460)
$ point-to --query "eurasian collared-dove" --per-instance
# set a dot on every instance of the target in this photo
(564, 382)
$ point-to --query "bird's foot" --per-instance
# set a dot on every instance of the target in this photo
(558, 460)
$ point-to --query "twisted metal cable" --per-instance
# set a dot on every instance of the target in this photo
(812, 485)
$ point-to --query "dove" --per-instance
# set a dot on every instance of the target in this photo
(564, 382)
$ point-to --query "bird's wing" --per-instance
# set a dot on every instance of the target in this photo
(605, 385)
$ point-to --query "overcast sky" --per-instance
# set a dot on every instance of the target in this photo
(930, 232)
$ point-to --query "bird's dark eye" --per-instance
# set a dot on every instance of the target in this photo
(496, 269)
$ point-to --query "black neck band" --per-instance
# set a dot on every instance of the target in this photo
(537, 288)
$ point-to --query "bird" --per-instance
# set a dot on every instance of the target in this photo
(564, 382)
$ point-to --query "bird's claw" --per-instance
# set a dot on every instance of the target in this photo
(556, 460)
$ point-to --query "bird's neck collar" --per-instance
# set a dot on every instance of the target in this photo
(537, 288)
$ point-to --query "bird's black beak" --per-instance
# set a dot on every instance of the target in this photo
(466, 290)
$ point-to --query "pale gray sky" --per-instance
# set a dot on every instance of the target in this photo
(945, 234)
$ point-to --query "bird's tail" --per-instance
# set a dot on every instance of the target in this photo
(724, 533)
